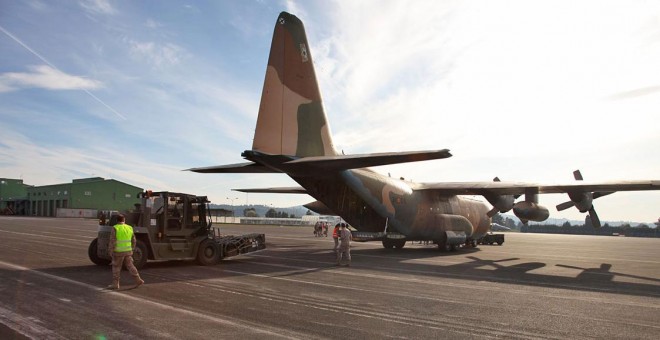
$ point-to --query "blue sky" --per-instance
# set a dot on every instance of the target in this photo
(524, 90)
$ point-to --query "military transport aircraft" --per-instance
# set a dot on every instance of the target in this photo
(292, 136)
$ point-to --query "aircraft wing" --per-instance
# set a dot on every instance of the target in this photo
(344, 162)
(248, 167)
(519, 188)
(280, 190)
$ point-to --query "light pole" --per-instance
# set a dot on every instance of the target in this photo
(233, 213)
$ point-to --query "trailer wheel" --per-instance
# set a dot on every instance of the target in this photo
(399, 244)
(208, 253)
(499, 243)
(92, 252)
(388, 244)
(140, 254)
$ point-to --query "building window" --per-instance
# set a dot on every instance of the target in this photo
(65, 192)
(127, 195)
(88, 193)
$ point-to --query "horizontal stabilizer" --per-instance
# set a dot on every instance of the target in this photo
(345, 162)
(246, 168)
(319, 208)
(280, 190)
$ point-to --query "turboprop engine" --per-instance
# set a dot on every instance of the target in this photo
(530, 211)
(500, 203)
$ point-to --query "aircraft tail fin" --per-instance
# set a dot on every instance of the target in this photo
(291, 117)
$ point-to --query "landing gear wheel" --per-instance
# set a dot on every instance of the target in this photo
(92, 252)
(388, 244)
(140, 254)
(443, 244)
(208, 253)
(399, 244)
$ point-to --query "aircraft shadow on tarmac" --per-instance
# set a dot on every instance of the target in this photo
(465, 264)
(600, 279)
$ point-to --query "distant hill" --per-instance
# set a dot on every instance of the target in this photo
(561, 221)
(298, 211)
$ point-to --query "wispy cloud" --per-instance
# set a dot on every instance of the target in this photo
(158, 55)
(98, 6)
(36, 54)
(152, 24)
(45, 77)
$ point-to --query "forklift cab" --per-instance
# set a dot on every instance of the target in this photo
(177, 215)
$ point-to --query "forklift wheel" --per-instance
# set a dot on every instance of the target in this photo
(93, 255)
(140, 254)
(208, 253)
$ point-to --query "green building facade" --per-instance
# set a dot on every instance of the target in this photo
(94, 193)
(13, 196)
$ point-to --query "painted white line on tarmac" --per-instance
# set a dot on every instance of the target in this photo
(45, 236)
(168, 308)
(26, 326)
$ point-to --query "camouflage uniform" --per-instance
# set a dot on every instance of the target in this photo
(345, 246)
(122, 258)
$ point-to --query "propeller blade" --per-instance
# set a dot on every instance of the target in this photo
(577, 175)
(492, 212)
(594, 218)
(565, 205)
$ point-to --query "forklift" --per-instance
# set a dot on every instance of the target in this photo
(172, 226)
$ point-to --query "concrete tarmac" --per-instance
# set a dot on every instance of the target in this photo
(534, 286)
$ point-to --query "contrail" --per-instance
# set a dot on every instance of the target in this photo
(55, 67)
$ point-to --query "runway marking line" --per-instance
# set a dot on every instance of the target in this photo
(167, 307)
(45, 236)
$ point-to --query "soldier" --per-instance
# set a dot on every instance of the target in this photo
(122, 243)
(317, 228)
(345, 247)
(335, 236)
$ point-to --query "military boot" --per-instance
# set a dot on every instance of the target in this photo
(114, 285)
(138, 281)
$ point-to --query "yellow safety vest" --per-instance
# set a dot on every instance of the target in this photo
(124, 234)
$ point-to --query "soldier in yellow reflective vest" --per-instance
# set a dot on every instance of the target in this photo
(122, 243)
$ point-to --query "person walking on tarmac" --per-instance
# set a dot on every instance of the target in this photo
(345, 246)
(120, 249)
(335, 236)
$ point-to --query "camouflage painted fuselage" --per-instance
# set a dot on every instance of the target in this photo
(369, 201)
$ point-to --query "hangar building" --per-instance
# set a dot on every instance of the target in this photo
(94, 193)
(13, 197)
